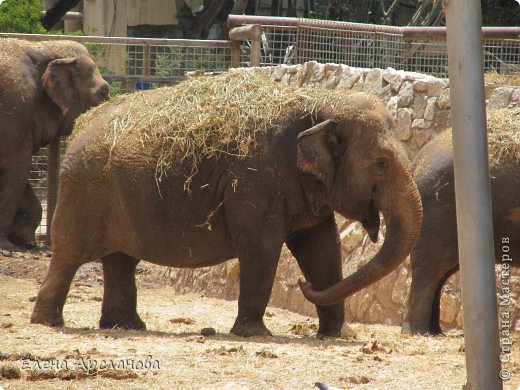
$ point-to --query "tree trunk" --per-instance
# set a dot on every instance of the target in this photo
(238, 9)
(197, 26)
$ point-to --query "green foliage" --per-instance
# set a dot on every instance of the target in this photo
(21, 16)
(115, 89)
(164, 64)
(401, 13)
(94, 49)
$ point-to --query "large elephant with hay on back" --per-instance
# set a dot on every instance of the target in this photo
(225, 167)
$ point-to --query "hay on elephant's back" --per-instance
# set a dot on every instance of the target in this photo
(504, 134)
(206, 116)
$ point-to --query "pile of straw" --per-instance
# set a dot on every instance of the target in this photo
(206, 116)
(504, 134)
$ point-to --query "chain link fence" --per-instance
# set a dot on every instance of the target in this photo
(417, 49)
(131, 64)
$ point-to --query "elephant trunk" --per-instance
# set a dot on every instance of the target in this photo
(402, 210)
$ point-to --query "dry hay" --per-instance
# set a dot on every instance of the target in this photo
(204, 117)
(502, 80)
(503, 128)
(504, 134)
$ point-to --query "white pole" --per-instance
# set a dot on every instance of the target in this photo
(474, 222)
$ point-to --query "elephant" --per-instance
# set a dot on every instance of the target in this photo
(435, 256)
(305, 164)
(44, 87)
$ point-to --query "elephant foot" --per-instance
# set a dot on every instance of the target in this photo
(435, 329)
(420, 328)
(330, 328)
(250, 328)
(6, 245)
(21, 243)
(327, 332)
(126, 321)
(54, 320)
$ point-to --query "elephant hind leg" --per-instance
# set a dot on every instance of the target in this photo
(418, 314)
(48, 309)
(259, 252)
(435, 319)
(119, 309)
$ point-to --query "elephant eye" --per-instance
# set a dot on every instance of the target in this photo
(381, 165)
(21, 215)
(103, 93)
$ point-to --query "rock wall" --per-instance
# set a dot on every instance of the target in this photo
(421, 107)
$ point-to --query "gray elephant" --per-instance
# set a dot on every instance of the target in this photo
(435, 256)
(225, 167)
(44, 87)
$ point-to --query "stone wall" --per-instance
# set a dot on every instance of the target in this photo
(421, 107)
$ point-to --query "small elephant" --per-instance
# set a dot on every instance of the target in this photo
(306, 163)
(44, 87)
(435, 256)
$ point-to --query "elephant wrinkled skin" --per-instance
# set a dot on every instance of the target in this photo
(44, 86)
(286, 191)
(435, 256)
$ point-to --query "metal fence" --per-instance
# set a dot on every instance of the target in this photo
(417, 49)
(131, 64)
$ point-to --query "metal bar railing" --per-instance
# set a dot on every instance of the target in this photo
(121, 40)
(435, 33)
(408, 33)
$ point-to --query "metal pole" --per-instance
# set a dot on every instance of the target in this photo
(474, 222)
(146, 59)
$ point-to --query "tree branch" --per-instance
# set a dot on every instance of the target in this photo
(205, 18)
(56, 12)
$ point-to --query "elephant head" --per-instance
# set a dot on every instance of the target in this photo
(364, 171)
(74, 85)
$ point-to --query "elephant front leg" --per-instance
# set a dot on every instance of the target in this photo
(14, 176)
(27, 219)
(119, 308)
(318, 253)
(258, 258)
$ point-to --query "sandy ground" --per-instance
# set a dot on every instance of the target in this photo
(172, 354)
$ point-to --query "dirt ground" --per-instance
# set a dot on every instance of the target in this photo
(172, 353)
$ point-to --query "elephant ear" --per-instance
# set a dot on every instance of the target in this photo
(58, 82)
(316, 151)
